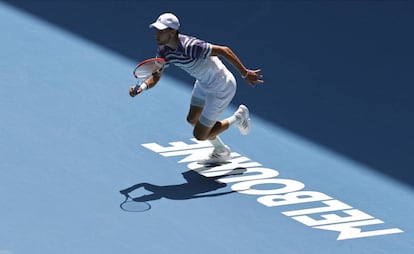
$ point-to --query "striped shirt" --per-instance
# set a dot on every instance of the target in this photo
(194, 56)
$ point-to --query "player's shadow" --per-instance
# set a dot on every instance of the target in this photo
(197, 186)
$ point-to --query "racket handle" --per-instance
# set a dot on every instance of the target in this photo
(136, 87)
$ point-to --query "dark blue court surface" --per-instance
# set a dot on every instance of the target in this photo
(326, 169)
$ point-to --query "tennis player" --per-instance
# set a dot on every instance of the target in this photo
(214, 88)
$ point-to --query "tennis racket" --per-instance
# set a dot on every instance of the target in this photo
(149, 67)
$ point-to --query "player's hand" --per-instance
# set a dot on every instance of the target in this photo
(253, 77)
(134, 90)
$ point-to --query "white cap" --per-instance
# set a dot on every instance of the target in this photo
(166, 20)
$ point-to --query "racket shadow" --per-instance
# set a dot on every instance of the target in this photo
(196, 186)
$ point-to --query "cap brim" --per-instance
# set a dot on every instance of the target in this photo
(158, 26)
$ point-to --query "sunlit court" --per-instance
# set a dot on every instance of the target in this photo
(326, 167)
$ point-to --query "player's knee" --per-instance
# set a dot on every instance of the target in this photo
(199, 136)
(191, 120)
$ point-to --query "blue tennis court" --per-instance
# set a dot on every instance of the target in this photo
(326, 168)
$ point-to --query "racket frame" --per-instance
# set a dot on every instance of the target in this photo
(158, 61)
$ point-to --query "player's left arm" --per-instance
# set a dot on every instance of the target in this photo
(251, 76)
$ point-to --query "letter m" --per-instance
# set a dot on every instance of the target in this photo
(351, 230)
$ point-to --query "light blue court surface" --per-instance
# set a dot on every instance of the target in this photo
(71, 138)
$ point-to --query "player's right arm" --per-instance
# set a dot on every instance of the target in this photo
(147, 84)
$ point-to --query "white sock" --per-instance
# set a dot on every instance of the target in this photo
(232, 119)
(217, 143)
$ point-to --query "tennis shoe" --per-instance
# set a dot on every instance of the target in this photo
(217, 156)
(243, 119)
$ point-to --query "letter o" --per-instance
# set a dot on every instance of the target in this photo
(288, 186)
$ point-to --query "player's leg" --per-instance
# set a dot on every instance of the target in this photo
(221, 152)
(207, 112)
(193, 117)
(214, 104)
(209, 127)
(203, 130)
(206, 129)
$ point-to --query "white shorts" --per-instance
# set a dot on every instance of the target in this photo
(214, 99)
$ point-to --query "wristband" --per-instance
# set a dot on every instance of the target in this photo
(143, 86)
(245, 76)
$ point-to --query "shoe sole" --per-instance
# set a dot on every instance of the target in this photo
(212, 164)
